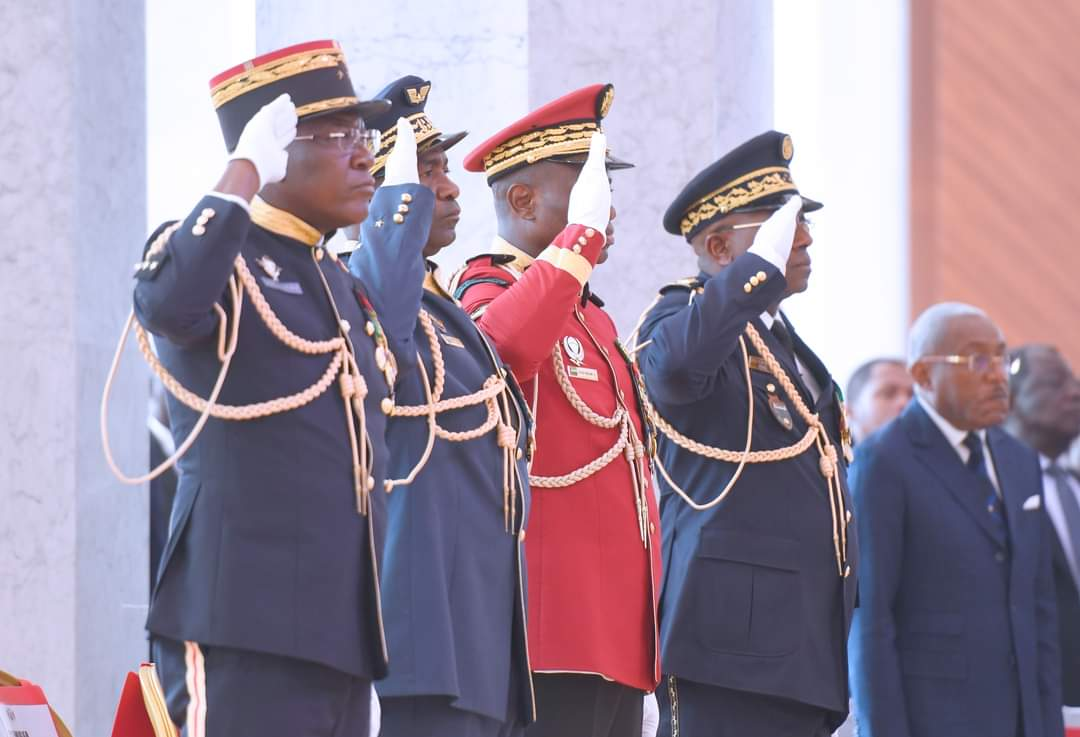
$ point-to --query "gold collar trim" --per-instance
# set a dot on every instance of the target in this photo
(433, 281)
(521, 260)
(742, 191)
(283, 223)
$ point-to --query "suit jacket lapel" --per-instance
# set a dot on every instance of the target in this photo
(781, 354)
(935, 453)
(1013, 489)
(814, 365)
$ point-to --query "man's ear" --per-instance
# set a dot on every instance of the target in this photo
(521, 200)
(717, 247)
(920, 373)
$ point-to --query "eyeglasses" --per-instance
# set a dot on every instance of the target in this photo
(800, 220)
(977, 363)
(347, 141)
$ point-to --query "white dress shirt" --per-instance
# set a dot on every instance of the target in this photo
(1057, 516)
(956, 436)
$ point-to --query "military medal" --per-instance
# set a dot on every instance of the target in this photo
(781, 412)
(267, 264)
(574, 350)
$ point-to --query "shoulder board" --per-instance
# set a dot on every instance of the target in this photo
(691, 283)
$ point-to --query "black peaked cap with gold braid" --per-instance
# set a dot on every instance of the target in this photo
(314, 75)
(407, 97)
(752, 176)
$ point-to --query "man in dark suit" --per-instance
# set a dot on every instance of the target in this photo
(1045, 414)
(759, 559)
(956, 631)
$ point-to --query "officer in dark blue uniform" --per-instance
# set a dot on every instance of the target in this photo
(758, 553)
(266, 616)
(453, 573)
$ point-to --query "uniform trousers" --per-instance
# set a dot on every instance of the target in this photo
(690, 709)
(216, 691)
(425, 716)
(576, 705)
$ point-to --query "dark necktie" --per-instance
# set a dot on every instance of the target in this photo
(1070, 509)
(976, 462)
(781, 333)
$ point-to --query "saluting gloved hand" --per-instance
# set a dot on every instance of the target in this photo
(401, 163)
(264, 138)
(590, 199)
(650, 716)
(776, 235)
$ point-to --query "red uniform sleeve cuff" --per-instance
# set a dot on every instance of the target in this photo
(575, 251)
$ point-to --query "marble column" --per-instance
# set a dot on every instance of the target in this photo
(73, 568)
(692, 78)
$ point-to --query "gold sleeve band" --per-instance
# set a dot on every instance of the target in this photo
(573, 263)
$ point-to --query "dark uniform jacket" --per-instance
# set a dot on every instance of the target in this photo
(453, 577)
(753, 598)
(267, 550)
(1068, 606)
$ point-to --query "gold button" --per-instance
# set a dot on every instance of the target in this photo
(399, 218)
(345, 326)
(198, 230)
(747, 288)
(319, 254)
(576, 248)
(403, 208)
(208, 212)
(519, 454)
(761, 275)
(753, 281)
(388, 486)
(202, 220)
(589, 232)
(406, 197)
(847, 571)
(387, 405)
(369, 328)
(370, 482)
(770, 388)
(583, 241)
(521, 536)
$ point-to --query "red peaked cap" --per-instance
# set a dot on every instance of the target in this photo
(557, 131)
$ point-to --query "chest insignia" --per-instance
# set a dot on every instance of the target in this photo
(575, 351)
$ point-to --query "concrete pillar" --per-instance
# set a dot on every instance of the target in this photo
(73, 541)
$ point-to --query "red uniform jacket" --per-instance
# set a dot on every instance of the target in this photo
(593, 542)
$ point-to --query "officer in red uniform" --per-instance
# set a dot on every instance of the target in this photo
(592, 547)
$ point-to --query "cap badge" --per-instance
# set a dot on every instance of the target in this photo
(781, 412)
(605, 104)
(574, 350)
(417, 95)
(787, 150)
(267, 264)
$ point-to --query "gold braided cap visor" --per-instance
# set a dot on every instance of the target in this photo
(425, 133)
(544, 143)
(738, 193)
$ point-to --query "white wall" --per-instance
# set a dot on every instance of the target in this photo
(841, 91)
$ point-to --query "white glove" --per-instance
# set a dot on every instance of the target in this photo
(401, 163)
(650, 716)
(590, 199)
(264, 138)
(776, 236)
(376, 714)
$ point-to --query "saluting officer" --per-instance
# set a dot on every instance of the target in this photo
(593, 557)
(759, 553)
(452, 578)
(266, 616)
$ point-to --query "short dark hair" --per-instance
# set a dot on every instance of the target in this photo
(861, 376)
